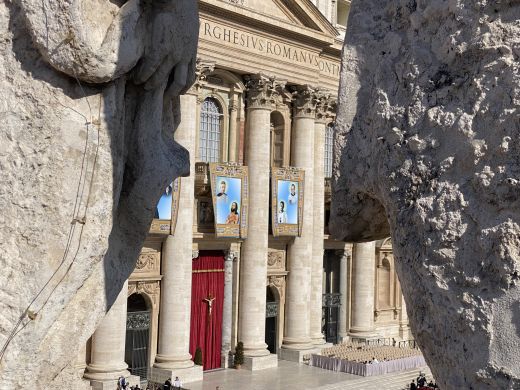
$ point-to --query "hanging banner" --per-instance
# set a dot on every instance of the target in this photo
(165, 218)
(287, 201)
(229, 189)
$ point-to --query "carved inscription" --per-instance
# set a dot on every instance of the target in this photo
(268, 47)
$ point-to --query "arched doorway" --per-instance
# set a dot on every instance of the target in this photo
(271, 318)
(137, 346)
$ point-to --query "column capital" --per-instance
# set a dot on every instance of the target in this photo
(231, 255)
(202, 69)
(325, 106)
(263, 91)
(305, 98)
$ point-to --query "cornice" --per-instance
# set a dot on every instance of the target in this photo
(252, 19)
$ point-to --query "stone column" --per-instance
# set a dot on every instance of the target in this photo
(404, 327)
(227, 310)
(297, 340)
(343, 289)
(233, 131)
(261, 95)
(173, 357)
(107, 362)
(363, 287)
(323, 102)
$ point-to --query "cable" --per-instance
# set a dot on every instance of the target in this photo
(74, 221)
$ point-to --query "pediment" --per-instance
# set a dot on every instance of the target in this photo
(300, 13)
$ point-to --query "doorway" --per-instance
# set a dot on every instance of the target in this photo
(137, 345)
(271, 319)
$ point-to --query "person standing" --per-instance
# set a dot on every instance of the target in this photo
(177, 384)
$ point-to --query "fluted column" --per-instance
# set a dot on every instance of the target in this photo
(363, 286)
(227, 310)
(343, 289)
(107, 362)
(261, 94)
(323, 103)
(300, 254)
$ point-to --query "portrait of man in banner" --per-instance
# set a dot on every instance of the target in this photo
(287, 202)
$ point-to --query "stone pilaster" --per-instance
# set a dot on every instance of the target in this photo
(173, 357)
(233, 131)
(227, 310)
(363, 287)
(323, 103)
(262, 94)
(343, 289)
(297, 340)
(108, 347)
(404, 326)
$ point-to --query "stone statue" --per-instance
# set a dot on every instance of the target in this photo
(427, 149)
(88, 107)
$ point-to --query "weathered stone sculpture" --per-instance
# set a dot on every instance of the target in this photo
(86, 149)
(428, 150)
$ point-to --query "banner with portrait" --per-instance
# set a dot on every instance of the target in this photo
(287, 201)
(229, 189)
(166, 211)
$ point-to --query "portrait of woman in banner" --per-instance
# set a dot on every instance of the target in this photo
(287, 202)
(228, 197)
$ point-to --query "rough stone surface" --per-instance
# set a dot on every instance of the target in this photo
(86, 149)
(427, 149)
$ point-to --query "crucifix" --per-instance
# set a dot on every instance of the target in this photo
(210, 300)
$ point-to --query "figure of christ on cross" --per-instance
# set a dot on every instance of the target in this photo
(210, 300)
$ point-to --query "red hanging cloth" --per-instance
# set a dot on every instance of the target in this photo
(207, 289)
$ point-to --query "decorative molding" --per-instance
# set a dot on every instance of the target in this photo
(325, 106)
(278, 282)
(231, 255)
(138, 320)
(202, 69)
(150, 288)
(305, 100)
(276, 260)
(331, 300)
(194, 254)
(263, 91)
(271, 309)
(148, 262)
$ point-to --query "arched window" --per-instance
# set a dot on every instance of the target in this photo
(210, 130)
(329, 135)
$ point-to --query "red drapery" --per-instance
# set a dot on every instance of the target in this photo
(206, 330)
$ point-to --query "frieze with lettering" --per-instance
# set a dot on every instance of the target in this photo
(268, 47)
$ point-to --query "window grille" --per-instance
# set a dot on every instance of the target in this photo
(329, 135)
(210, 130)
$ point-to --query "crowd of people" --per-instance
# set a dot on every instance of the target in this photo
(122, 384)
(421, 383)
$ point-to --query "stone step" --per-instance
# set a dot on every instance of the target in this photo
(392, 381)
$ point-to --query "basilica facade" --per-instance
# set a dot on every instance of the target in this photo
(264, 98)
